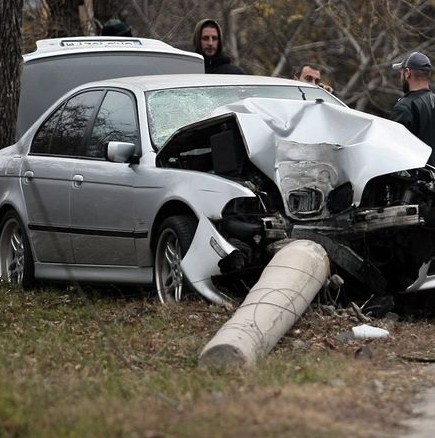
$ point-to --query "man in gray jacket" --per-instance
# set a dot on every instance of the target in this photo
(416, 109)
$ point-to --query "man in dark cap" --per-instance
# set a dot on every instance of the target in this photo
(116, 27)
(416, 109)
(208, 42)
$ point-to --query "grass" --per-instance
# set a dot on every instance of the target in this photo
(99, 363)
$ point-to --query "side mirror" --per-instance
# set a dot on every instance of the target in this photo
(120, 151)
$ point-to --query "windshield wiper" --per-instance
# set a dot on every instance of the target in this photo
(302, 93)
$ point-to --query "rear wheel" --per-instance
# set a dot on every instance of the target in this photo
(174, 238)
(16, 261)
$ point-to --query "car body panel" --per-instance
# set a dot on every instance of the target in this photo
(94, 274)
(102, 226)
(280, 133)
(46, 191)
(210, 247)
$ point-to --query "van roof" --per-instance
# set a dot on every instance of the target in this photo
(61, 46)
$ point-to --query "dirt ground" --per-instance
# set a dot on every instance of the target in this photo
(398, 371)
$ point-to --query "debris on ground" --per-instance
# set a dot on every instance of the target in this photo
(365, 331)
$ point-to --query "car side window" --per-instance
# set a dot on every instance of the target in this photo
(64, 131)
(116, 121)
(42, 141)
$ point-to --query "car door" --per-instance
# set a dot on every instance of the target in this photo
(102, 195)
(47, 176)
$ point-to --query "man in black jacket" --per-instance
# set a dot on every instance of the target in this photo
(416, 109)
(207, 40)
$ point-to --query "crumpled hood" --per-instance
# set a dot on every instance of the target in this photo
(317, 144)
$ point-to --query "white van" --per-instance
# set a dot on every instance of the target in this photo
(60, 64)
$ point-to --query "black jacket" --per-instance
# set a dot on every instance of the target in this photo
(220, 63)
(416, 111)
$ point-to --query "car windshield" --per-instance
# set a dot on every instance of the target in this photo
(171, 109)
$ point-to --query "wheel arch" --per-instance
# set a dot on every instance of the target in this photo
(10, 207)
(171, 208)
(5, 208)
(28, 279)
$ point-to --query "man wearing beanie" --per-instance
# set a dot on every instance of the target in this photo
(416, 109)
(207, 41)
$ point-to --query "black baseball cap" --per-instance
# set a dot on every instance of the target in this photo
(415, 61)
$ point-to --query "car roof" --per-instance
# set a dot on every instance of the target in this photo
(158, 82)
(61, 46)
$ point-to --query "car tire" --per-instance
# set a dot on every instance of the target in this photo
(16, 261)
(174, 238)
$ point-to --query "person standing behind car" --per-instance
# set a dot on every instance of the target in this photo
(116, 27)
(208, 42)
(416, 109)
(311, 74)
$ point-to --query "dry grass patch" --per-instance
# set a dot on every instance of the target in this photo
(100, 363)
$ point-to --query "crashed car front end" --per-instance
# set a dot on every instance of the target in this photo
(355, 183)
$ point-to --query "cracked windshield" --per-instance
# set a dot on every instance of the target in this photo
(169, 110)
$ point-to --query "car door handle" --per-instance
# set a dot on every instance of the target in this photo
(77, 181)
(28, 176)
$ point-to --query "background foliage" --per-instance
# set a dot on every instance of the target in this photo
(354, 42)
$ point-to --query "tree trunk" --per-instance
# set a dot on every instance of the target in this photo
(10, 67)
(86, 16)
(64, 18)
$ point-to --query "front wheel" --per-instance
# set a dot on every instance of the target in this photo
(174, 238)
(16, 261)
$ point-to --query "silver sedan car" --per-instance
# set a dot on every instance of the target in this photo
(194, 181)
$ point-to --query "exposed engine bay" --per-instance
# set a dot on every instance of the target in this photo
(377, 228)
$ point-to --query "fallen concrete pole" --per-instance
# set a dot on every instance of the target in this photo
(285, 289)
